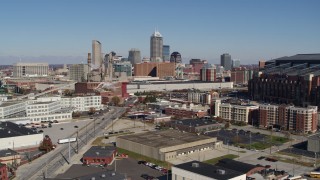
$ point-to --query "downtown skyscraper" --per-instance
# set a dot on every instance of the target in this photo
(156, 47)
(134, 56)
(166, 52)
(96, 54)
(226, 61)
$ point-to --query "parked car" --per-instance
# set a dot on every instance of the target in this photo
(55, 121)
(142, 162)
(144, 176)
(261, 157)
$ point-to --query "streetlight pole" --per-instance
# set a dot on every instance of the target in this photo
(238, 143)
(250, 140)
(315, 160)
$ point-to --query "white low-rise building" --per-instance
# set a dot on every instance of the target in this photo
(239, 113)
(82, 103)
(3, 98)
(79, 103)
(9, 108)
(196, 170)
(42, 108)
(18, 137)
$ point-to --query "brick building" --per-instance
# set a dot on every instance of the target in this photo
(9, 156)
(104, 89)
(293, 79)
(155, 69)
(100, 155)
(208, 73)
(288, 117)
(241, 75)
(3, 172)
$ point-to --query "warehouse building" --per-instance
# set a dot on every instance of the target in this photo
(166, 145)
(196, 170)
(11, 108)
(18, 137)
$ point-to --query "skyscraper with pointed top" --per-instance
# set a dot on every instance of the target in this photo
(156, 45)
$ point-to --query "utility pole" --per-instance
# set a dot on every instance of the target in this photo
(77, 142)
(315, 160)
(69, 150)
(250, 140)
(270, 140)
(238, 142)
(94, 127)
(86, 134)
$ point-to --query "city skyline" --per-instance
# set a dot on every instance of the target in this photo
(61, 32)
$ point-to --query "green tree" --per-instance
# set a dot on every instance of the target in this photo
(227, 125)
(92, 110)
(115, 100)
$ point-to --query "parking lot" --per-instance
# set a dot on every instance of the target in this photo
(64, 129)
(132, 169)
(300, 149)
(234, 136)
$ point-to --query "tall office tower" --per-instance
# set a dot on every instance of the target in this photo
(96, 54)
(78, 72)
(175, 57)
(226, 61)
(235, 63)
(134, 56)
(156, 45)
(30, 69)
(166, 52)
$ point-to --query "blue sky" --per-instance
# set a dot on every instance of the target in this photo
(61, 31)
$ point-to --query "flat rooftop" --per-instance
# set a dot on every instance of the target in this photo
(315, 137)
(10, 129)
(10, 103)
(166, 138)
(7, 152)
(100, 151)
(78, 171)
(209, 170)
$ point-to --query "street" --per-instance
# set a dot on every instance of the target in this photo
(47, 164)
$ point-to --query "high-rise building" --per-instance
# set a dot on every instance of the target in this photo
(156, 45)
(96, 54)
(226, 61)
(175, 57)
(134, 56)
(30, 69)
(78, 72)
(166, 52)
(235, 63)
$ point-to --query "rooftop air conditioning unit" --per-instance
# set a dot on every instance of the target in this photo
(195, 165)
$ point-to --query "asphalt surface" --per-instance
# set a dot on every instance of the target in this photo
(46, 165)
(230, 136)
(132, 169)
